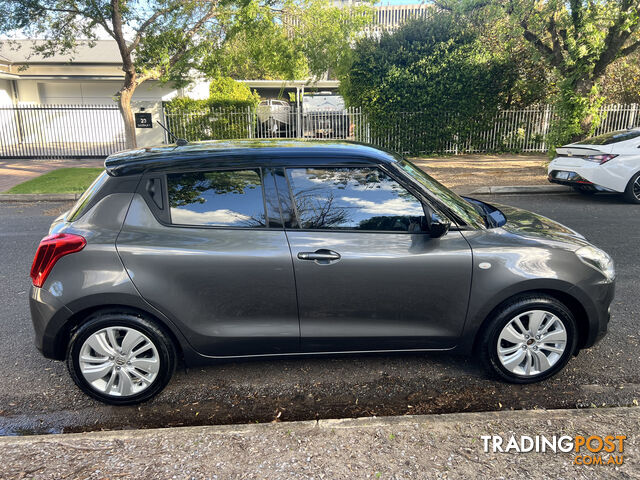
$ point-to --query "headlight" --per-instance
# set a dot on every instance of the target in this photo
(596, 258)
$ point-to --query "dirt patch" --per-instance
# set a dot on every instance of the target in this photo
(467, 172)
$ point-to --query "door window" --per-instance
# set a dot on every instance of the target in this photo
(229, 198)
(353, 199)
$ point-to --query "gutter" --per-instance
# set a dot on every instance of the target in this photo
(8, 76)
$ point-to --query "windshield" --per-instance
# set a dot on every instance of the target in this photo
(612, 137)
(464, 210)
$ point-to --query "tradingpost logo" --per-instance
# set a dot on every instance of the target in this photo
(588, 450)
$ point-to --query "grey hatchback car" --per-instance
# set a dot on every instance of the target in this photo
(229, 249)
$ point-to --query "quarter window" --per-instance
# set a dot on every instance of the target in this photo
(354, 199)
(229, 198)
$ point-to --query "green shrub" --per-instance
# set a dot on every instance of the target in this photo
(226, 90)
(228, 113)
(432, 82)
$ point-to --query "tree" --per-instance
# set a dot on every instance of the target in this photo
(169, 40)
(621, 82)
(435, 76)
(578, 39)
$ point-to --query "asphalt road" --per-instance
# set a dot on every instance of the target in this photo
(37, 395)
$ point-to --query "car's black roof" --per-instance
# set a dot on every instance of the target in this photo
(216, 152)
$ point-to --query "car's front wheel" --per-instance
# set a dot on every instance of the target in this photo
(120, 358)
(529, 339)
(632, 192)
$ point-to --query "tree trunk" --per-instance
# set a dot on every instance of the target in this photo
(584, 88)
(124, 104)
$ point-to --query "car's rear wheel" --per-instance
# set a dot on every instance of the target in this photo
(120, 358)
(632, 192)
(529, 339)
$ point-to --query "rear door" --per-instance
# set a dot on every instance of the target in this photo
(207, 249)
(368, 277)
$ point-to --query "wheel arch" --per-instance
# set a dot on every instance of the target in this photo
(61, 329)
(571, 302)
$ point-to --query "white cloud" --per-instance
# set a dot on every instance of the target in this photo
(396, 206)
(213, 217)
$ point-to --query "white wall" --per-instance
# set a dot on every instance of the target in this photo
(28, 92)
(97, 92)
(5, 92)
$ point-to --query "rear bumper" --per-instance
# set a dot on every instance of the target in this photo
(47, 315)
(565, 177)
(578, 173)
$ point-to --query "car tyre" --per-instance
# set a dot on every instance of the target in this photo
(497, 347)
(132, 352)
(632, 192)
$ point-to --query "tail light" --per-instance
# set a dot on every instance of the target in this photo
(604, 158)
(50, 250)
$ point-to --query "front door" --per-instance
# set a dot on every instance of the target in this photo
(368, 276)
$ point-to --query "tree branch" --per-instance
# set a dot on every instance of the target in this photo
(195, 29)
(116, 21)
(615, 39)
(102, 21)
(148, 22)
(630, 49)
(542, 47)
(557, 48)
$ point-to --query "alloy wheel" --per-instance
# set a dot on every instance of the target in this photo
(636, 188)
(119, 361)
(532, 342)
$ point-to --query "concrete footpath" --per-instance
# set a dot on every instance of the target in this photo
(426, 446)
(473, 173)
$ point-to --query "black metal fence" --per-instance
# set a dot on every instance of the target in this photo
(60, 131)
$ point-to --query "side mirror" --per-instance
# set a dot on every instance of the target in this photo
(438, 224)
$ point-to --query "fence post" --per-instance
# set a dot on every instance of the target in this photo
(545, 127)
(634, 113)
(249, 132)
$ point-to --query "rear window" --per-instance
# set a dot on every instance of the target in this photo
(611, 137)
(83, 202)
(229, 198)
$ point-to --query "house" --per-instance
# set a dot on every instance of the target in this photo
(63, 105)
(90, 76)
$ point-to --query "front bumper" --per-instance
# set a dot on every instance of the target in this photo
(596, 299)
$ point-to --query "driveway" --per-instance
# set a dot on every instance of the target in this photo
(37, 395)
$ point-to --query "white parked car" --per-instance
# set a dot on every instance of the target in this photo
(606, 163)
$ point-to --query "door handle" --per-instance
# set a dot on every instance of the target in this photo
(321, 257)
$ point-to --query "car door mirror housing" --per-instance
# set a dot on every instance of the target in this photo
(438, 224)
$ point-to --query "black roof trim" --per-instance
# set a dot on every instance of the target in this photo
(228, 152)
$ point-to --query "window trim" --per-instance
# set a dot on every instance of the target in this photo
(419, 197)
(217, 227)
